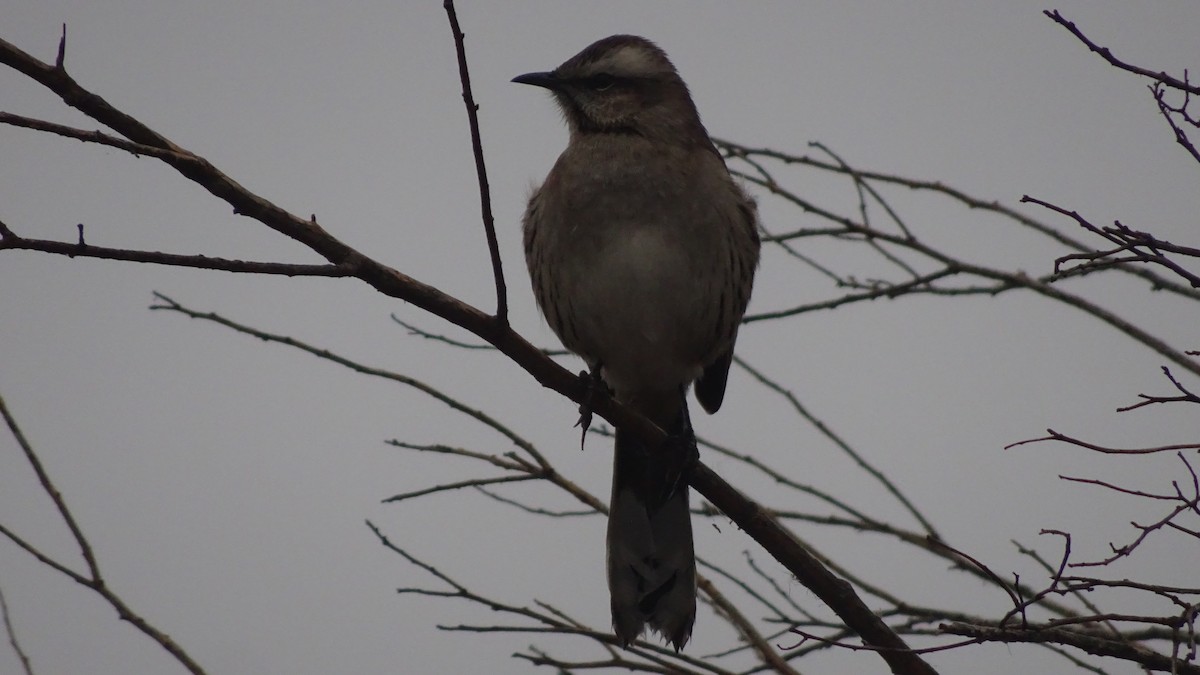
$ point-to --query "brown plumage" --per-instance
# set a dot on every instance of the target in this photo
(642, 251)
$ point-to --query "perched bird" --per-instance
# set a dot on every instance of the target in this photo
(642, 251)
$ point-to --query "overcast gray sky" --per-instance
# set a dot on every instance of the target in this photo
(225, 482)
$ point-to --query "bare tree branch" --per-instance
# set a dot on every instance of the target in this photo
(535, 468)
(485, 193)
(1092, 644)
(552, 622)
(12, 637)
(1126, 241)
(910, 266)
(1107, 54)
(93, 580)
(492, 329)
(10, 240)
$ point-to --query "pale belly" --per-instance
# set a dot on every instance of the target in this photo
(641, 303)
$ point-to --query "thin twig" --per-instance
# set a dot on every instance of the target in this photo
(1090, 643)
(166, 303)
(12, 636)
(94, 580)
(485, 197)
(60, 503)
(1107, 54)
(10, 241)
(837, 440)
(450, 487)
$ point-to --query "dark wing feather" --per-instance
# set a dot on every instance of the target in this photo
(710, 388)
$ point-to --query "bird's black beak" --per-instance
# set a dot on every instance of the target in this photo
(548, 80)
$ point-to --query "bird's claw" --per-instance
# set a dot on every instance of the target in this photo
(682, 455)
(591, 382)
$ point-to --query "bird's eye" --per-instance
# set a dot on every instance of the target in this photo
(601, 81)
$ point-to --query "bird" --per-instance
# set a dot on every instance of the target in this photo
(642, 251)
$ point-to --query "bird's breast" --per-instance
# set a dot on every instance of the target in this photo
(638, 249)
(640, 303)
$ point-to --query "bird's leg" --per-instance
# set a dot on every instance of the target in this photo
(592, 382)
(679, 452)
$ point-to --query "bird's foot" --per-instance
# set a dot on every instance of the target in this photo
(681, 455)
(592, 383)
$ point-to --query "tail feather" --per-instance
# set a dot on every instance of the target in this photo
(651, 562)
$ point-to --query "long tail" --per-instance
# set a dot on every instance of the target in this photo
(651, 562)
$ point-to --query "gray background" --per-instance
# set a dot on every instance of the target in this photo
(225, 482)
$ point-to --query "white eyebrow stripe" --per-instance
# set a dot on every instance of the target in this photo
(630, 60)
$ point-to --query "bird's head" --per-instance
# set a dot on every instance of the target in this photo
(622, 84)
